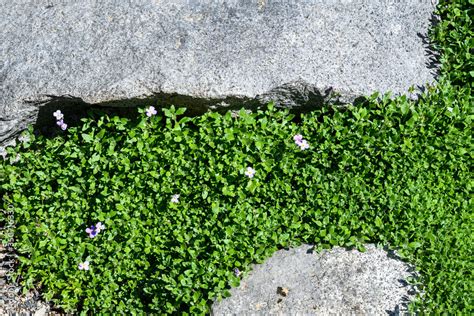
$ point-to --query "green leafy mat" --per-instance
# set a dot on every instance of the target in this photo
(184, 202)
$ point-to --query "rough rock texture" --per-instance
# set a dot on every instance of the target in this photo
(12, 302)
(335, 282)
(186, 52)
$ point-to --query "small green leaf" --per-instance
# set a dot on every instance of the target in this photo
(87, 138)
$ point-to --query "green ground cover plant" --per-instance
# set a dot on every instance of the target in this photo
(158, 214)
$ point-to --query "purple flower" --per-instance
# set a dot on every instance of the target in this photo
(298, 138)
(58, 115)
(92, 231)
(237, 272)
(59, 120)
(151, 111)
(250, 172)
(95, 229)
(84, 265)
(61, 124)
(175, 198)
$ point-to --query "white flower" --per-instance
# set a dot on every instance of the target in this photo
(99, 226)
(250, 172)
(175, 198)
(24, 138)
(151, 111)
(450, 109)
(58, 115)
(84, 265)
(303, 144)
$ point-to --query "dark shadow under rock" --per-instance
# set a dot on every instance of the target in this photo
(202, 56)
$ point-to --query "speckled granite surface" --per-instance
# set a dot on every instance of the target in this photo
(334, 282)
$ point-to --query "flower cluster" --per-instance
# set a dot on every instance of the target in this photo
(95, 229)
(151, 111)
(60, 120)
(92, 231)
(300, 141)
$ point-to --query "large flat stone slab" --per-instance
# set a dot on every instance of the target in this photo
(335, 282)
(229, 51)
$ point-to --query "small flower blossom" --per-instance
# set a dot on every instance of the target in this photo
(84, 265)
(237, 272)
(58, 115)
(250, 172)
(151, 111)
(92, 231)
(298, 138)
(99, 227)
(304, 144)
(61, 124)
(24, 138)
(175, 198)
(450, 109)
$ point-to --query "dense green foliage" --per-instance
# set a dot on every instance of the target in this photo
(392, 171)
(453, 38)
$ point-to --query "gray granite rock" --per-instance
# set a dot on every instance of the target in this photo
(335, 282)
(221, 53)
